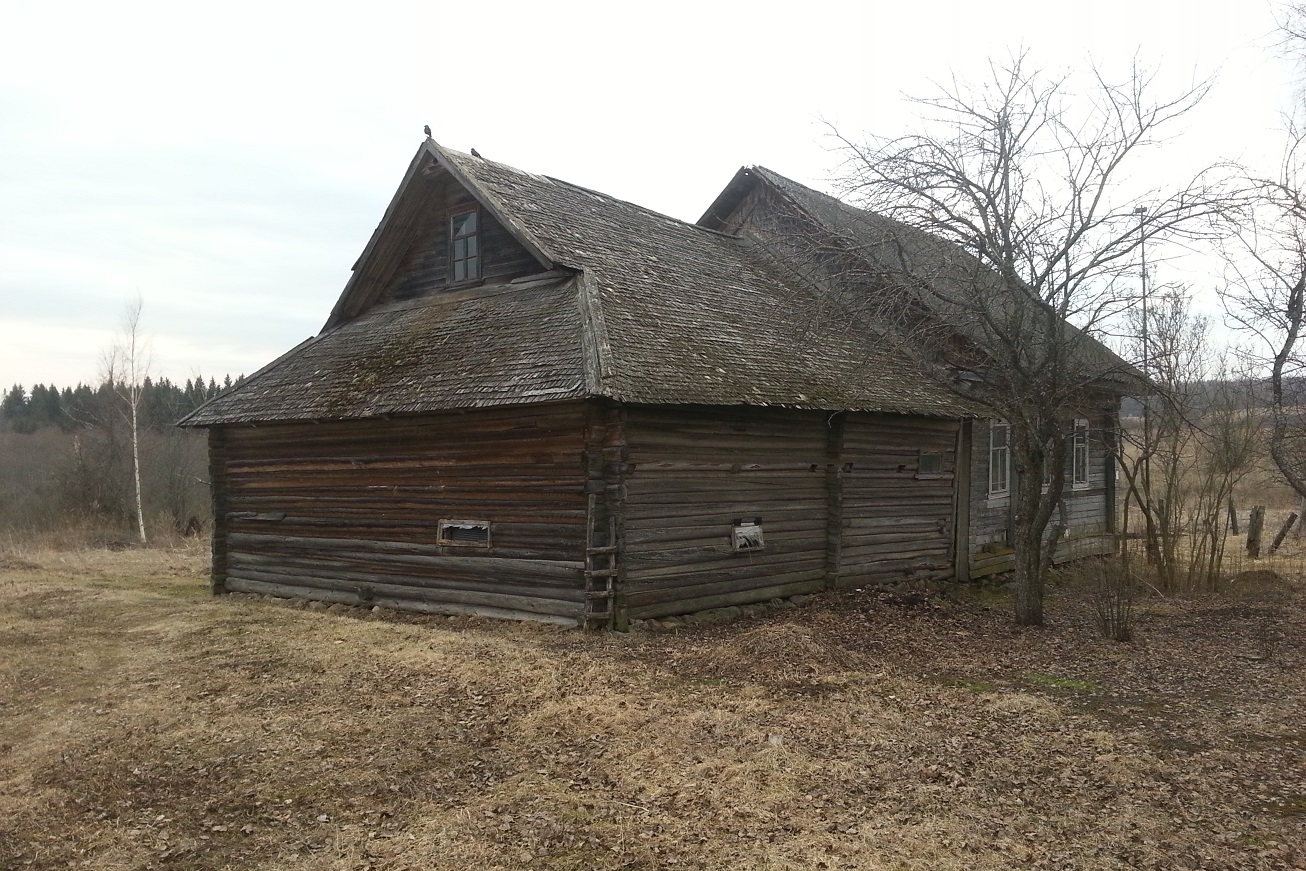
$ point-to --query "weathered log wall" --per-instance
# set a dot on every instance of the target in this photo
(601, 512)
(841, 499)
(897, 519)
(692, 473)
(350, 511)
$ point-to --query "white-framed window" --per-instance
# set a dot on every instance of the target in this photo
(1047, 467)
(999, 459)
(1079, 453)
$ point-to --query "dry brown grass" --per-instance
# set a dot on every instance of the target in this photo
(144, 724)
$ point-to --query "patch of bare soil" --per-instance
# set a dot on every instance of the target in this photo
(146, 725)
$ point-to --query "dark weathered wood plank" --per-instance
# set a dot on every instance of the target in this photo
(402, 600)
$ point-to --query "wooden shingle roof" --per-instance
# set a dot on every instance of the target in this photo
(638, 307)
(899, 256)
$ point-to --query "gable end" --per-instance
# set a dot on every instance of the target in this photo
(408, 255)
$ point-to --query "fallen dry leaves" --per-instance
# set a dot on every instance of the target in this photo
(144, 724)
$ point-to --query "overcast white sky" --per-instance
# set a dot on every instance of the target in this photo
(227, 162)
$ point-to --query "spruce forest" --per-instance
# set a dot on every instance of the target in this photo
(65, 460)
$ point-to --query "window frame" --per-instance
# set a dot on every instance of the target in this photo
(1004, 491)
(1079, 445)
(1047, 468)
(443, 539)
(938, 459)
(454, 238)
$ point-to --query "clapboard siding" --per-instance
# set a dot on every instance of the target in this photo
(691, 473)
(350, 511)
(896, 522)
(1088, 531)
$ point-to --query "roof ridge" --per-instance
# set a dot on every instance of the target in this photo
(757, 167)
(588, 190)
(784, 180)
(644, 209)
(860, 212)
(466, 156)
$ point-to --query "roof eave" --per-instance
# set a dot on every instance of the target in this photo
(346, 296)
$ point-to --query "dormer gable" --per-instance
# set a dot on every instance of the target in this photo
(440, 233)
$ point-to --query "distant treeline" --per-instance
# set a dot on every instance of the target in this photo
(1201, 396)
(162, 404)
(66, 460)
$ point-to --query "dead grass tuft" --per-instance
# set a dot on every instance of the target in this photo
(774, 651)
(1025, 705)
(1260, 583)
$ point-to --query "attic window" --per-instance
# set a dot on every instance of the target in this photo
(464, 246)
(465, 533)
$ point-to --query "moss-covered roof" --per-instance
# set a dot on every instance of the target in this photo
(637, 307)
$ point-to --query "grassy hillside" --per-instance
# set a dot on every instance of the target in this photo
(144, 724)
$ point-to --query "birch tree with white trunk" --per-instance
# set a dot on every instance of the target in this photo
(126, 365)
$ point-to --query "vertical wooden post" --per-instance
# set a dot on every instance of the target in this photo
(1255, 525)
(1233, 516)
(616, 470)
(961, 504)
(1111, 441)
(835, 425)
(1283, 532)
(605, 485)
(218, 454)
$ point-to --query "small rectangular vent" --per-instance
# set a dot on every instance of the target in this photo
(930, 464)
(465, 533)
(747, 535)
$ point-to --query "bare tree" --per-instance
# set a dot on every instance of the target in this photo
(1026, 179)
(1192, 443)
(1292, 41)
(126, 365)
(1157, 456)
(1265, 297)
(1228, 441)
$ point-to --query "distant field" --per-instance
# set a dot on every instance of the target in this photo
(144, 724)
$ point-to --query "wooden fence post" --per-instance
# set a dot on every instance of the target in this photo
(1255, 525)
(1283, 533)
(1233, 516)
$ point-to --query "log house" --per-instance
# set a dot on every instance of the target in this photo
(532, 400)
